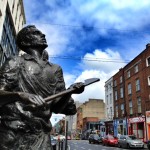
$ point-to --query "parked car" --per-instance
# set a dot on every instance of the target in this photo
(129, 141)
(95, 138)
(148, 144)
(110, 140)
(53, 142)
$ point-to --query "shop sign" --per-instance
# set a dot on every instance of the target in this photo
(136, 119)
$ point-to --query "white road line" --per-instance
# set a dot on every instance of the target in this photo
(82, 147)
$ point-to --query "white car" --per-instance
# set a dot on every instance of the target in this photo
(129, 141)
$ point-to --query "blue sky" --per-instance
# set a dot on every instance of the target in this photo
(91, 38)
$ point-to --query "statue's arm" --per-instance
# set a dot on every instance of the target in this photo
(7, 78)
(64, 104)
(9, 83)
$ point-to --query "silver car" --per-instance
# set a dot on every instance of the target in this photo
(129, 141)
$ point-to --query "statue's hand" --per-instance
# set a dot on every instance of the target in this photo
(35, 100)
(78, 88)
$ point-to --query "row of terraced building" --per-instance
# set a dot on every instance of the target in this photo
(127, 97)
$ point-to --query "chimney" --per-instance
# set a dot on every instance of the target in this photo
(148, 45)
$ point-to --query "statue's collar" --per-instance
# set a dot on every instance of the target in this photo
(30, 57)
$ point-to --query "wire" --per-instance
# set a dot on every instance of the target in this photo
(90, 59)
(83, 27)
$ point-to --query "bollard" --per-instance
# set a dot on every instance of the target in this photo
(59, 142)
(62, 142)
(59, 146)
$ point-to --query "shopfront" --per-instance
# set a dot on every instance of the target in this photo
(136, 126)
(109, 127)
(148, 124)
(120, 126)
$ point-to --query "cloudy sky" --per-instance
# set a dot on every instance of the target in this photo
(91, 38)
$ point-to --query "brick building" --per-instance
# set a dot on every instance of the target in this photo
(132, 96)
(90, 109)
(120, 120)
(91, 123)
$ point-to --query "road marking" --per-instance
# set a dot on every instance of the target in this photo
(68, 147)
(82, 147)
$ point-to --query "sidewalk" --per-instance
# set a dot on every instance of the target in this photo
(145, 145)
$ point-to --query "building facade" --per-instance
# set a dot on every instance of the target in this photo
(137, 74)
(120, 119)
(92, 108)
(109, 103)
(12, 19)
(132, 97)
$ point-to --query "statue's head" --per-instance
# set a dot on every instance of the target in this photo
(31, 37)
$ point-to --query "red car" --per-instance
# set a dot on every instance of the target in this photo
(110, 140)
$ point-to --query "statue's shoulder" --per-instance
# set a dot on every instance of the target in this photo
(11, 62)
(55, 66)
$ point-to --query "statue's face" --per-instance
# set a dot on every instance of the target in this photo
(37, 38)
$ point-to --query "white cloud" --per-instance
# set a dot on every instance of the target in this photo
(57, 39)
(96, 69)
(95, 90)
(69, 79)
(55, 118)
(115, 14)
(123, 15)
(106, 61)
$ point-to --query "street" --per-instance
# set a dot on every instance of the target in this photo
(84, 145)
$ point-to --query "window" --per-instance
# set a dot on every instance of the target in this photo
(121, 79)
(107, 112)
(116, 95)
(8, 40)
(129, 89)
(137, 84)
(121, 92)
(130, 107)
(136, 68)
(148, 61)
(139, 104)
(116, 111)
(107, 99)
(122, 109)
(106, 88)
(110, 98)
(148, 80)
(128, 74)
(109, 86)
(115, 83)
(110, 112)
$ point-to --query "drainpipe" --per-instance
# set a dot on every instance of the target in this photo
(125, 107)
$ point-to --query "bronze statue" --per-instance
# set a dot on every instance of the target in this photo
(24, 83)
